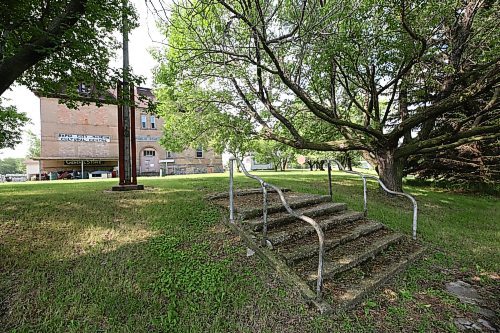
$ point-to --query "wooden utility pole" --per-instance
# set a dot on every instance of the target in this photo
(126, 120)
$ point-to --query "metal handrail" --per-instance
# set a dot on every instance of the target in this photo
(363, 177)
(264, 185)
(384, 187)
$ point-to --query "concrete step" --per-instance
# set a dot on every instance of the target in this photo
(308, 247)
(294, 200)
(239, 193)
(282, 218)
(349, 288)
(349, 255)
(301, 229)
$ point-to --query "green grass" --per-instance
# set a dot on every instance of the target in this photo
(75, 257)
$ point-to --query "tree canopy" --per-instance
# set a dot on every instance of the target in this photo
(52, 46)
(11, 126)
(392, 79)
(35, 145)
(12, 165)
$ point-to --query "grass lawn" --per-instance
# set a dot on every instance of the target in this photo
(75, 257)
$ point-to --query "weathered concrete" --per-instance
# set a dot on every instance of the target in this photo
(314, 211)
(309, 250)
(350, 260)
(293, 201)
(222, 195)
(292, 246)
(304, 230)
(464, 291)
(354, 294)
(287, 274)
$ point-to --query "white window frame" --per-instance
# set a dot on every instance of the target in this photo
(144, 121)
(152, 122)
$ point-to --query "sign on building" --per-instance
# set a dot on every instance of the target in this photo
(147, 138)
(85, 162)
(83, 138)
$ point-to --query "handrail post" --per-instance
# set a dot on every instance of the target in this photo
(321, 250)
(264, 215)
(231, 190)
(330, 190)
(414, 226)
(365, 199)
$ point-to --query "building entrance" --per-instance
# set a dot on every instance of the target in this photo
(149, 162)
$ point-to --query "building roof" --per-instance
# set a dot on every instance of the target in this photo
(78, 158)
(87, 94)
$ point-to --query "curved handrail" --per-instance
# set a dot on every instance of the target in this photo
(365, 199)
(384, 187)
(314, 224)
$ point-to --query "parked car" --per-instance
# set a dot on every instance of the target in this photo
(100, 174)
(36, 176)
(65, 175)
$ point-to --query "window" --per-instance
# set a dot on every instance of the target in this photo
(169, 154)
(149, 153)
(143, 121)
(199, 152)
(83, 89)
(153, 123)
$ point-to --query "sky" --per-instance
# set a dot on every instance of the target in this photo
(141, 40)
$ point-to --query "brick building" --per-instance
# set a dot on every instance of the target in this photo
(88, 138)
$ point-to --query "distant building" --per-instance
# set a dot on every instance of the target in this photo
(87, 138)
(251, 164)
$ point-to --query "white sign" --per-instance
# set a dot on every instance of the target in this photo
(147, 138)
(83, 138)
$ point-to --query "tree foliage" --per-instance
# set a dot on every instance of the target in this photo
(11, 165)
(474, 165)
(278, 154)
(199, 123)
(35, 145)
(318, 159)
(380, 77)
(11, 124)
(52, 46)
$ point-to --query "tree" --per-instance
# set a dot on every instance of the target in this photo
(382, 76)
(34, 145)
(318, 159)
(11, 124)
(470, 165)
(11, 165)
(274, 152)
(53, 46)
(200, 123)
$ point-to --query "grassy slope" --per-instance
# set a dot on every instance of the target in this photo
(74, 257)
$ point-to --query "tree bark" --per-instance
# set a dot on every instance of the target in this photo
(349, 163)
(390, 170)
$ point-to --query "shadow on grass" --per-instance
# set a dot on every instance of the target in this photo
(75, 258)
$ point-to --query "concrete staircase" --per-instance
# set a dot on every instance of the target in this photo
(360, 254)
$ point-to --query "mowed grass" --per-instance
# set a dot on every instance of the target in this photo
(75, 257)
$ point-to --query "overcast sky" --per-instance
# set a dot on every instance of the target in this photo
(143, 38)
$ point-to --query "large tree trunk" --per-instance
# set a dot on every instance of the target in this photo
(349, 163)
(390, 170)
